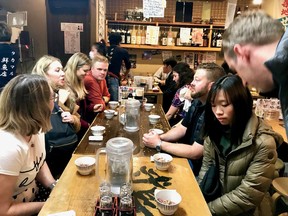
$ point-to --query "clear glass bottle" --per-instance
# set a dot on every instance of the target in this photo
(205, 38)
(178, 39)
(170, 37)
(164, 38)
(138, 35)
(133, 35)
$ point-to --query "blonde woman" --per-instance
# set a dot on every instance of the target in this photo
(26, 104)
(61, 140)
(75, 70)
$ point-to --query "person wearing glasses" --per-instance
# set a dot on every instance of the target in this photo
(62, 139)
(26, 104)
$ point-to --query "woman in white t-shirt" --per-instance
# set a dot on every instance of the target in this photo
(26, 104)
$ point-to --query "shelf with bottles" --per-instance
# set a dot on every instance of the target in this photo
(203, 37)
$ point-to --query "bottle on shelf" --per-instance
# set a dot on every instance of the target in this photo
(205, 38)
(128, 37)
(133, 35)
(170, 37)
(214, 38)
(238, 12)
(138, 35)
(164, 38)
(178, 39)
(143, 36)
(219, 39)
(118, 30)
(122, 33)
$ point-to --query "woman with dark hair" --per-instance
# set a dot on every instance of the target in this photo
(244, 146)
(183, 76)
(98, 48)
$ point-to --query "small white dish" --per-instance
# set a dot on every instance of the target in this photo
(109, 113)
(85, 165)
(156, 130)
(98, 130)
(95, 138)
(113, 104)
(162, 161)
(154, 119)
(167, 201)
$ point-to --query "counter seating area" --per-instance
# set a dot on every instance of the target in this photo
(80, 193)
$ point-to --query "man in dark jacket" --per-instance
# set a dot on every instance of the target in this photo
(256, 47)
(169, 88)
(116, 55)
(187, 134)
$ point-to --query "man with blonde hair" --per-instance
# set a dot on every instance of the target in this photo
(256, 47)
(95, 83)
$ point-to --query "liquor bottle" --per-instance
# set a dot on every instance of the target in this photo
(133, 35)
(214, 38)
(178, 39)
(128, 37)
(143, 36)
(138, 36)
(205, 38)
(219, 39)
(164, 38)
(238, 13)
(122, 33)
(170, 37)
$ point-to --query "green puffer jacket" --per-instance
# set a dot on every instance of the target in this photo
(246, 173)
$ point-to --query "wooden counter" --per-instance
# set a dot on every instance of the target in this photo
(278, 126)
(79, 193)
(115, 129)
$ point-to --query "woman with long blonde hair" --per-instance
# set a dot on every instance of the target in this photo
(75, 70)
(64, 116)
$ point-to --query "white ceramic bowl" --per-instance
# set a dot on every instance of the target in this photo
(85, 165)
(113, 104)
(167, 201)
(98, 130)
(109, 113)
(162, 161)
(154, 119)
(148, 106)
(158, 131)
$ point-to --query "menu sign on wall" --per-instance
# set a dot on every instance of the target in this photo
(153, 8)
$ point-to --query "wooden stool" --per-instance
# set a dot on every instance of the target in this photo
(280, 185)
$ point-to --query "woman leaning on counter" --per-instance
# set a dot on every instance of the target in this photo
(246, 148)
(26, 105)
(57, 158)
(75, 70)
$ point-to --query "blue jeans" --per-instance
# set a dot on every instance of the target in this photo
(113, 88)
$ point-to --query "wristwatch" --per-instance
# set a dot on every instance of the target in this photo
(51, 186)
(158, 146)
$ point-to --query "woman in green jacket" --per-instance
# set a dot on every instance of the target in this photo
(246, 148)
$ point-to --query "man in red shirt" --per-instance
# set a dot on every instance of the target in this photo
(96, 86)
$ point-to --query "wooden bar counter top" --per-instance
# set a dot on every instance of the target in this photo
(79, 193)
(115, 129)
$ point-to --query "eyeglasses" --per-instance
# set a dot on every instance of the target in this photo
(55, 97)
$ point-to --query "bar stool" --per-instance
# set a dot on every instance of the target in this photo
(280, 196)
